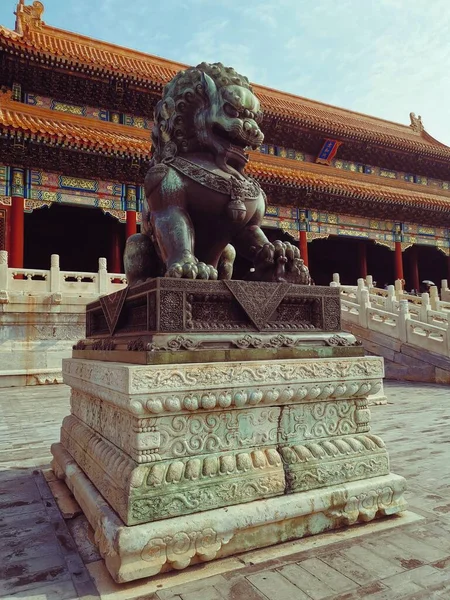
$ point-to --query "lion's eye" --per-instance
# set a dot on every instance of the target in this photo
(230, 110)
(259, 117)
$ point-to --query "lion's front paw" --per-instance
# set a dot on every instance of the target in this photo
(280, 261)
(187, 270)
(206, 271)
(191, 269)
(296, 271)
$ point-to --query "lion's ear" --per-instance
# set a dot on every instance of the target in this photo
(209, 88)
(167, 108)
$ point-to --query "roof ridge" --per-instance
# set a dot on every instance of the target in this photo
(325, 104)
(167, 63)
(124, 50)
(10, 32)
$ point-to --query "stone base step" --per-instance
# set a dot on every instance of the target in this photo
(23, 377)
(148, 549)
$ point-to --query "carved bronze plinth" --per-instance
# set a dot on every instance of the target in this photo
(166, 305)
(167, 320)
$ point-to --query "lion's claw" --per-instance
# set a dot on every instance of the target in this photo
(280, 261)
(191, 269)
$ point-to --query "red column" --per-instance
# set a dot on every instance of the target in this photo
(304, 247)
(398, 261)
(131, 211)
(362, 259)
(414, 269)
(115, 252)
(131, 227)
(17, 219)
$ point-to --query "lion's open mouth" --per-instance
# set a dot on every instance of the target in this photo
(234, 147)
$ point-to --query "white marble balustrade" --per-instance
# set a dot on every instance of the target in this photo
(422, 321)
(55, 281)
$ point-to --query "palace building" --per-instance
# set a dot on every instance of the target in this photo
(358, 194)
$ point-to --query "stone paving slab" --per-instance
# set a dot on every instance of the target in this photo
(40, 560)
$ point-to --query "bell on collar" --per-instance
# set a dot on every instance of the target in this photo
(237, 211)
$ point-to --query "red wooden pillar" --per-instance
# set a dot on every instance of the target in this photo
(131, 211)
(131, 226)
(362, 259)
(398, 261)
(17, 219)
(303, 238)
(115, 252)
(304, 247)
(414, 266)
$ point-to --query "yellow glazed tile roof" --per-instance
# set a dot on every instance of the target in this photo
(109, 138)
(71, 129)
(33, 36)
(315, 177)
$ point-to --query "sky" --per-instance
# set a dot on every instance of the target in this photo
(385, 58)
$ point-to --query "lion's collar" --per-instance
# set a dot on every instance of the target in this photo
(237, 189)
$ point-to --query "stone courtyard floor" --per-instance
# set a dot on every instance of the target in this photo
(40, 559)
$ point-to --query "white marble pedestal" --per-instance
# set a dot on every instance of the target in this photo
(182, 463)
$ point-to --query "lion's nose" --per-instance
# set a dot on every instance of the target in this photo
(251, 128)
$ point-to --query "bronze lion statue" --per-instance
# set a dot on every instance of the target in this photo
(201, 208)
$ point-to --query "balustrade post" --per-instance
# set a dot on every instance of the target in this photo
(336, 278)
(425, 307)
(445, 291)
(102, 276)
(403, 318)
(434, 297)
(3, 270)
(55, 274)
(361, 286)
(391, 299)
(369, 281)
(364, 305)
(398, 288)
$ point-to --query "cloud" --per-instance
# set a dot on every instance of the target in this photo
(409, 72)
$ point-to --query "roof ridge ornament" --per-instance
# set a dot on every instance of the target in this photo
(416, 123)
(28, 17)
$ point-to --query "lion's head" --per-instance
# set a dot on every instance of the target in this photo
(208, 108)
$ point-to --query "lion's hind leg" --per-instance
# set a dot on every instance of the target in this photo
(140, 259)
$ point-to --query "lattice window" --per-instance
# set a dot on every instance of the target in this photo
(2, 229)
